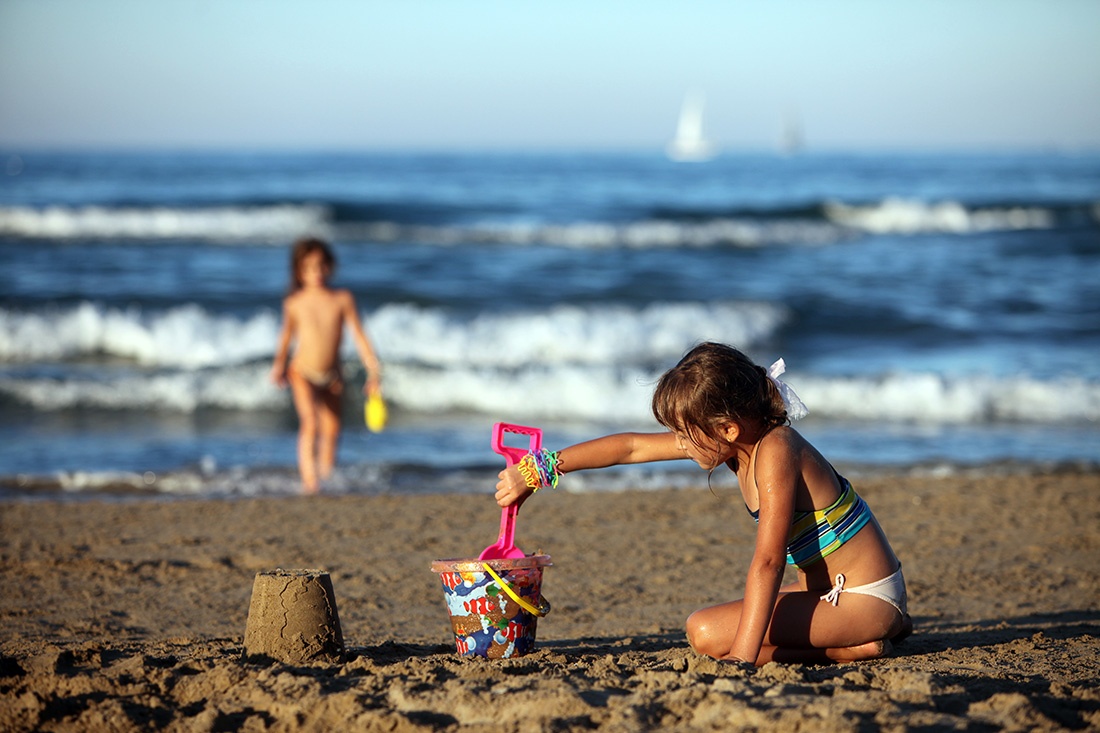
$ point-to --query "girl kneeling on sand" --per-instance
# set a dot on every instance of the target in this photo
(720, 408)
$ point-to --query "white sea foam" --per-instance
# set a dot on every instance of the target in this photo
(187, 336)
(902, 216)
(595, 235)
(623, 394)
(274, 223)
(567, 335)
(232, 388)
(187, 359)
(282, 222)
(934, 398)
(560, 363)
(578, 391)
(363, 478)
(567, 392)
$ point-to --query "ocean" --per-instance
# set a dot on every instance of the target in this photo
(935, 312)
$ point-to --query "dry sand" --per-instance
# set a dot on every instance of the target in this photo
(130, 616)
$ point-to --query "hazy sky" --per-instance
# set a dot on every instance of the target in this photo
(594, 74)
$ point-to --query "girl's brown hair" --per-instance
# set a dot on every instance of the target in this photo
(302, 248)
(716, 384)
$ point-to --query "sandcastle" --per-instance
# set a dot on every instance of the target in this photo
(292, 618)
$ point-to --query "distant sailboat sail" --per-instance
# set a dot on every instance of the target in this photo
(791, 142)
(689, 145)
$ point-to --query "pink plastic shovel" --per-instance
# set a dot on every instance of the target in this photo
(505, 546)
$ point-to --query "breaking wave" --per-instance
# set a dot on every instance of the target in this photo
(823, 223)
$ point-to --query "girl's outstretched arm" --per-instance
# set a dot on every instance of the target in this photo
(363, 345)
(776, 476)
(610, 450)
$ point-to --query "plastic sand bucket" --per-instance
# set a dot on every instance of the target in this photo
(494, 617)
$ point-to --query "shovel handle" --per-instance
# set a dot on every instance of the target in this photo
(514, 455)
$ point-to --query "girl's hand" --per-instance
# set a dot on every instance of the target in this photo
(373, 385)
(512, 488)
(278, 376)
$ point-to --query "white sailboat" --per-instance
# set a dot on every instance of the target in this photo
(689, 145)
(791, 141)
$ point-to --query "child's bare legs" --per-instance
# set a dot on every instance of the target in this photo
(305, 402)
(328, 424)
(804, 629)
(318, 429)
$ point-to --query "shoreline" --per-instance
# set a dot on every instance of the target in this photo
(131, 614)
(280, 482)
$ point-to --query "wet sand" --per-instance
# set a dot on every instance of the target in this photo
(131, 616)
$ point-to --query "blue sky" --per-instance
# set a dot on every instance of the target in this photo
(430, 74)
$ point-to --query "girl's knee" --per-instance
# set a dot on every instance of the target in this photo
(703, 636)
(307, 427)
(329, 423)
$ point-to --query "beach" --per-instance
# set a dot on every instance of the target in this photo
(130, 615)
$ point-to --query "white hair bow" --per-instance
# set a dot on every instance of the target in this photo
(796, 409)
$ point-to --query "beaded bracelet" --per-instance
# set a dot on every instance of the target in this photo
(539, 469)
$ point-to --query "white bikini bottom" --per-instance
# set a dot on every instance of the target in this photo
(891, 590)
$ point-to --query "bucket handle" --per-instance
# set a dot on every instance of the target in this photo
(541, 610)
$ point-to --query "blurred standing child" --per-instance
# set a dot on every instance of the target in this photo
(314, 316)
(721, 409)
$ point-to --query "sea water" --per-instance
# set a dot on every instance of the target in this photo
(933, 310)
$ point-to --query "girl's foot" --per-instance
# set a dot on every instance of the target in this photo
(857, 653)
(860, 652)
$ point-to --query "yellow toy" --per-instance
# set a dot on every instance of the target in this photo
(375, 413)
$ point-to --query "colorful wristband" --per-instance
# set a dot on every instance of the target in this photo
(539, 469)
